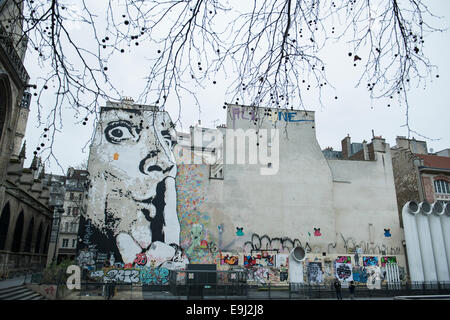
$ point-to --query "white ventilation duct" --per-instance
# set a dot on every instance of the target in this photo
(437, 240)
(426, 246)
(298, 255)
(409, 211)
(445, 226)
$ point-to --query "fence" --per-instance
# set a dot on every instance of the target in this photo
(206, 284)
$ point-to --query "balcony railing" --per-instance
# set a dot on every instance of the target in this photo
(8, 50)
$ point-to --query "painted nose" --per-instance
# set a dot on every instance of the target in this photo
(148, 164)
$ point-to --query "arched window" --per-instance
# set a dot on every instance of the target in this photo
(37, 249)
(441, 186)
(18, 233)
(46, 240)
(4, 226)
(29, 236)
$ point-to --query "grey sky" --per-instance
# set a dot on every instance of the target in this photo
(352, 113)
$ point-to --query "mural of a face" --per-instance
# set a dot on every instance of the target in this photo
(133, 196)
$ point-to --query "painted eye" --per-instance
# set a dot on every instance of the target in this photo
(119, 131)
(169, 139)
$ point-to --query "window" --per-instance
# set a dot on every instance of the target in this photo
(80, 196)
(74, 243)
(65, 243)
(441, 186)
(73, 227)
(71, 196)
(75, 211)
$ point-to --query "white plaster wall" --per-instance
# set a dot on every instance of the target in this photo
(291, 203)
(363, 194)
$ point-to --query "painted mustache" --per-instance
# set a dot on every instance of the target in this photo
(158, 168)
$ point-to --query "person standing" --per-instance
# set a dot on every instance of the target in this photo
(352, 290)
(337, 287)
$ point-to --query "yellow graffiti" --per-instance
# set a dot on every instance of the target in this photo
(116, 156)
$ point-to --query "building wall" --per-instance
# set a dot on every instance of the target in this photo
(406, 178)
(365, 204)
(291, 202)
(23, 198)
(252, 217)
(26, 243)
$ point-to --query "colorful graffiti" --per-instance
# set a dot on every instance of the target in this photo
(230, 260)
(344, 259)
(387, 233)
(385, 260)
(317, 232)
(239, 231)
(260, 258)
(144, 275)
(264, 275)
(344, 271)
(370, 261)
(195, 236)
(360, 274)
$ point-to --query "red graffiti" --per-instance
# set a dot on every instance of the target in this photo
(49, 290)
(141, 259)
(204, 244)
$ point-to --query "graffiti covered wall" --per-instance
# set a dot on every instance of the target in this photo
(149, 212)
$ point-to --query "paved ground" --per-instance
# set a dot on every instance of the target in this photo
(12, 282)
(138, 294)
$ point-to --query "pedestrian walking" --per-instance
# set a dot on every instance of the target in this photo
(352, 290)
(337, 287)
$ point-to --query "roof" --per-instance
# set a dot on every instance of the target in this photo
(79, 174)
(435, 161)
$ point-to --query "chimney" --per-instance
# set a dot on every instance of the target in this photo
(346, 147)
(365, 150)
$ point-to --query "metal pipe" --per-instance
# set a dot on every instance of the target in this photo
(426, 247)
(409, 211)
(437, 240)
(445, 226)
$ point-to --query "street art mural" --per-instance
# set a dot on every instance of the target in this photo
(344, 259)
(232, 260)
(370, 261)
(195, 236)
(239, 231)
(385, 260)
(144, 275)
(344, 271)
(315, 272)
(265, 275)
(260, 258)
(360, 274)
(132, 205)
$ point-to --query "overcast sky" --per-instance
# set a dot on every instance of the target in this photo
(352, 113)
